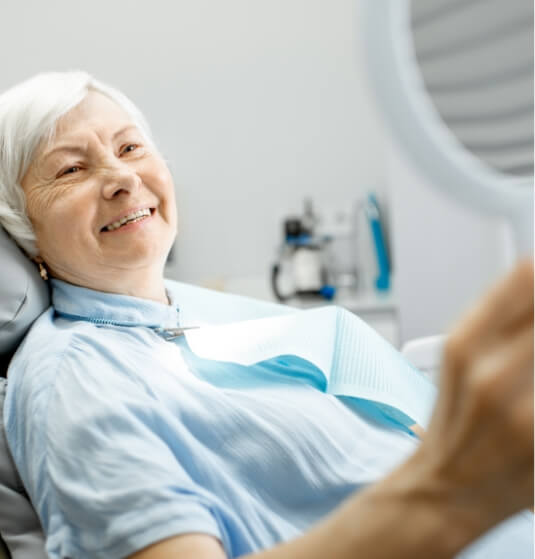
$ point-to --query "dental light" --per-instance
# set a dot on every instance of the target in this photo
(454, 79)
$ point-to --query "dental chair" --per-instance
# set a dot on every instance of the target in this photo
(23, 297)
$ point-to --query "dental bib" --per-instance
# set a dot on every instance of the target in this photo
(349, 357)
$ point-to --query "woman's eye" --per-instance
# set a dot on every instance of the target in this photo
(69, 171)
(128, 148)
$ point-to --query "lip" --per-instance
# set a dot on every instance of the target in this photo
(120, 216)
(132, 226)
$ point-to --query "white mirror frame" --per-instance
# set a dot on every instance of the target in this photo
(417, 126)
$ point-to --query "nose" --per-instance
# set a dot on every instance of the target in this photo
(119, 178)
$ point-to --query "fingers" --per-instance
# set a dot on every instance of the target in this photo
(495, 379)
(508, 303)
(496, 336)
(480, 437)
(506, 365)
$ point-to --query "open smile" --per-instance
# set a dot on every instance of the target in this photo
(129, 221)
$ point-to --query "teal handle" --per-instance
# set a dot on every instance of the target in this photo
(382, 281)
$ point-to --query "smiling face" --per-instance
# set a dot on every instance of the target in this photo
(100, 172)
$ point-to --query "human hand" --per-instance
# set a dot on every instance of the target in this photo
(478, 451)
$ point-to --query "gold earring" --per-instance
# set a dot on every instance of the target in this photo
(42, 271)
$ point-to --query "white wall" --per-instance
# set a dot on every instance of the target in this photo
(256, 103)
(446, 255)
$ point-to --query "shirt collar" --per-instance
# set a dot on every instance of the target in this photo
(100, 307)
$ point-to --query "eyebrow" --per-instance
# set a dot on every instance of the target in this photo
(76, 149)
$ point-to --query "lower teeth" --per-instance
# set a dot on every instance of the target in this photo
(134, 220)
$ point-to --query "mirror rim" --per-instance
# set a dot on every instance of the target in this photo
(416, 124)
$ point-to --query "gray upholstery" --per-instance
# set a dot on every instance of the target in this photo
(19, 525)
(23, 297)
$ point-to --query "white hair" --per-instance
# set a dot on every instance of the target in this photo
(28, 115)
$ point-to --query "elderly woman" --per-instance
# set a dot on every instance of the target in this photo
(129, 446)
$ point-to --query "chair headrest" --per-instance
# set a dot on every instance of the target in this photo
(23, 296)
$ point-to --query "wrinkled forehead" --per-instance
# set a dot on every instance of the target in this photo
(95, 116)
(96, 113)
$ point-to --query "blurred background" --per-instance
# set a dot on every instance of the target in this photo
(264, 111)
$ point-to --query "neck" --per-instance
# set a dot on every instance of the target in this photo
(142, 285)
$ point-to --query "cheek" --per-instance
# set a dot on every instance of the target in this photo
(159, 179)
(53, 214)
(39, 203)
(58, 229)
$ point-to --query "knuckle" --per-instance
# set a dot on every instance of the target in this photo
(485, 390)
(525, 274)
(455, 349)
(520, 423)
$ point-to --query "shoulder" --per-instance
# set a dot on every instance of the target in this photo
(31, 382)
(45, 350)
(53, 343)
(63, 361)
(62, 377)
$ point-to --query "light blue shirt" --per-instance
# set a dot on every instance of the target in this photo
(123, 438)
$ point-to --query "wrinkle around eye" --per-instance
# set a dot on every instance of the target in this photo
(40, 198)
(66, 171)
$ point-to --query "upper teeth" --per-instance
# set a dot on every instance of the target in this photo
(130, 217)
